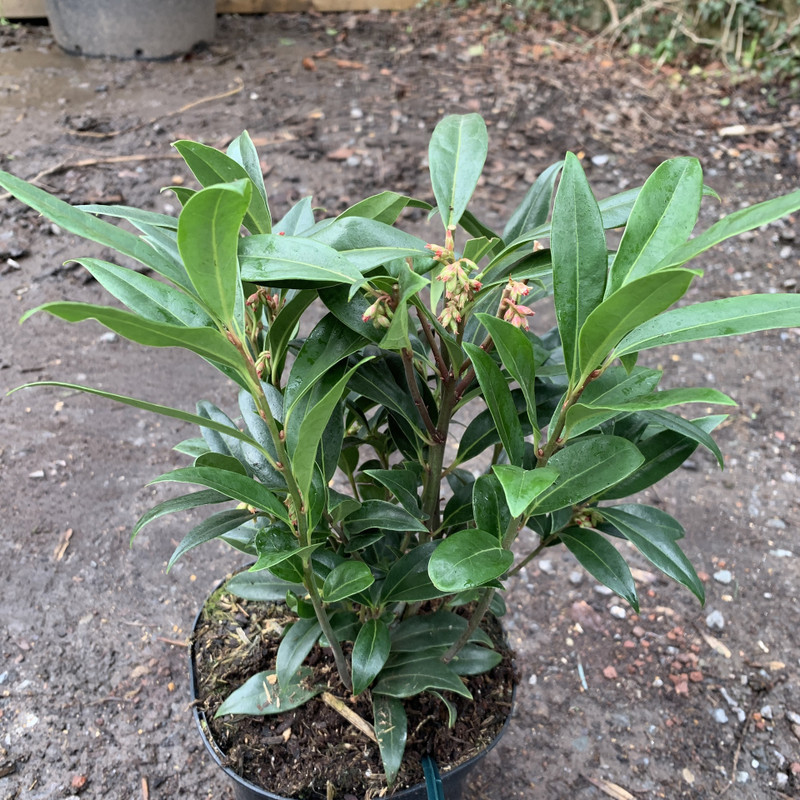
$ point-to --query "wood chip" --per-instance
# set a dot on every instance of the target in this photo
(610, 789)
(63, 544)
(340, 707)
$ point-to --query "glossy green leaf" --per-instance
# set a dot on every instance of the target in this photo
(183, 503)
(284, 326)
(210, 528)
(376, 381)
(420, 632)
(385, 207)
(263, 694)
(136, 216)
(409, 674)
(212, 167)
(473, 659)
(633, 304)
(601, 560)
(235, 485)
(489, 507)
(456, 155)
(86, 225)
(746, 219)
(296, 644)
(298, 220)
(403, 484)
(729, 316)
(481, 432)
(587, 467)
(384, 515)
(208, 343)
(578, 250)
(208, 237)
(467, 559)
(347, 579)
(535, 206)
(654, 533)
(294, 261)
(243, 152)
(519, 357)
(151, 299)
(407, 580)
(261, 587)
(370, 651)
(391, 731)
(522, 486)
(662, 218)
(499, 401)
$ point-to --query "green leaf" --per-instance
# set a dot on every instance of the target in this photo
(347, 579)
(376, 381)
(136, 216)
(370, 651)
(746, 219)
(518, 356)
(499, 401)
(210, 528)
(391, 731)
(535, 207)
(208, 237)
(86, 225)
(729, 316)
(482, 432)
(662, 218)
(489, 507)
(600, 559)
(419, 632)
(654, 533)
(243, 152)
(384, 207)
(409, 674)
(403, 484)
(407, 580)
(580, 261)
(236, 486)
(182, 503)
(472, 659)
(212, 167)
(383, 515)
(456, 155)
(284, 326)
(294, 261)
(296, 644)
(467, 559)
(263, 694)
(206, 342)
(151, 299)
(261, 587)
(522, 486)
(276, 545)
(587, 467)
(635, 303)
(297, 220)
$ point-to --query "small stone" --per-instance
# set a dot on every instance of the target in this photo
(794, 767)
(576, 577)
(618, 611)
(781, 779)
(107, 337)
(610, 673)
(602, 159)
(353, 161)
(720, 716)
(546, 566)
(723, 576)
(38, 473)
(533, 680)
(789, 477)
(742, 777)
(658, 683)
(780, 553)
(638, 631)
(78, 783)
(766, 712)
(356, 113)
(695, 676)
(786, 251)
(793, 717)
(776, 523)
(715, 621)
(604, 590)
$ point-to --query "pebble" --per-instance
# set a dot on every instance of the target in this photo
(776, 523)
(576, 577)
(780, 553)
(356, 113)
(720, 715)
(600, 589)
(715, 621)
(603, 159)
(723, 576)
(39, 473)
(353, 161)
(618, 611)
(789, 477)
(108, 337)
(766, 712)
(786, 251)
(533, 680)
(793, 717)
(742, 777)
(546, 566)
(781, 779)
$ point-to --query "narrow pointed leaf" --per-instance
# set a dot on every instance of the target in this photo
(409, 674)
(243, 152)
(535, 207)
(210, 528)
(383, 515)
(391, 731)
(473, 659)
(729, 316)
(456, 154)
(261, 587)
(407, 580)
(402, 484)
(522, 486)
(499, 401)
(208, 237)
(578, 248)
(385, 207)
(296, 644)
(263, 694)
(136, 216)
(183, 503)
(662, 218)
(468, 559)
(654, 533)
(370, 651)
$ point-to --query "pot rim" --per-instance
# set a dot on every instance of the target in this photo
(218, 755)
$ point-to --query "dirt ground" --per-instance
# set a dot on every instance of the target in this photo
(93, 677)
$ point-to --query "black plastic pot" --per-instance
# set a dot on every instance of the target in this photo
(453, 782)
(148, 29)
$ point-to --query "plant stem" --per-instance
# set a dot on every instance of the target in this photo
(411, 380)
(431, 339)
(431, 491)
(475, 619)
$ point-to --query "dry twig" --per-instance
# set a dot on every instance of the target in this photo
(340, 707)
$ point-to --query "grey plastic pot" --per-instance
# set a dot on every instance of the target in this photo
(147, 29)
(453, 782)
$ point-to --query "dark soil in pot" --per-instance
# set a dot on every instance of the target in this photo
(296, 754)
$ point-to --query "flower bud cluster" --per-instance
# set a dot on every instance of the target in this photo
(511, 305)
(459, 290)
(380, 312)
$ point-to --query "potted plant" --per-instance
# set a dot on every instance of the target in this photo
(401, 418)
